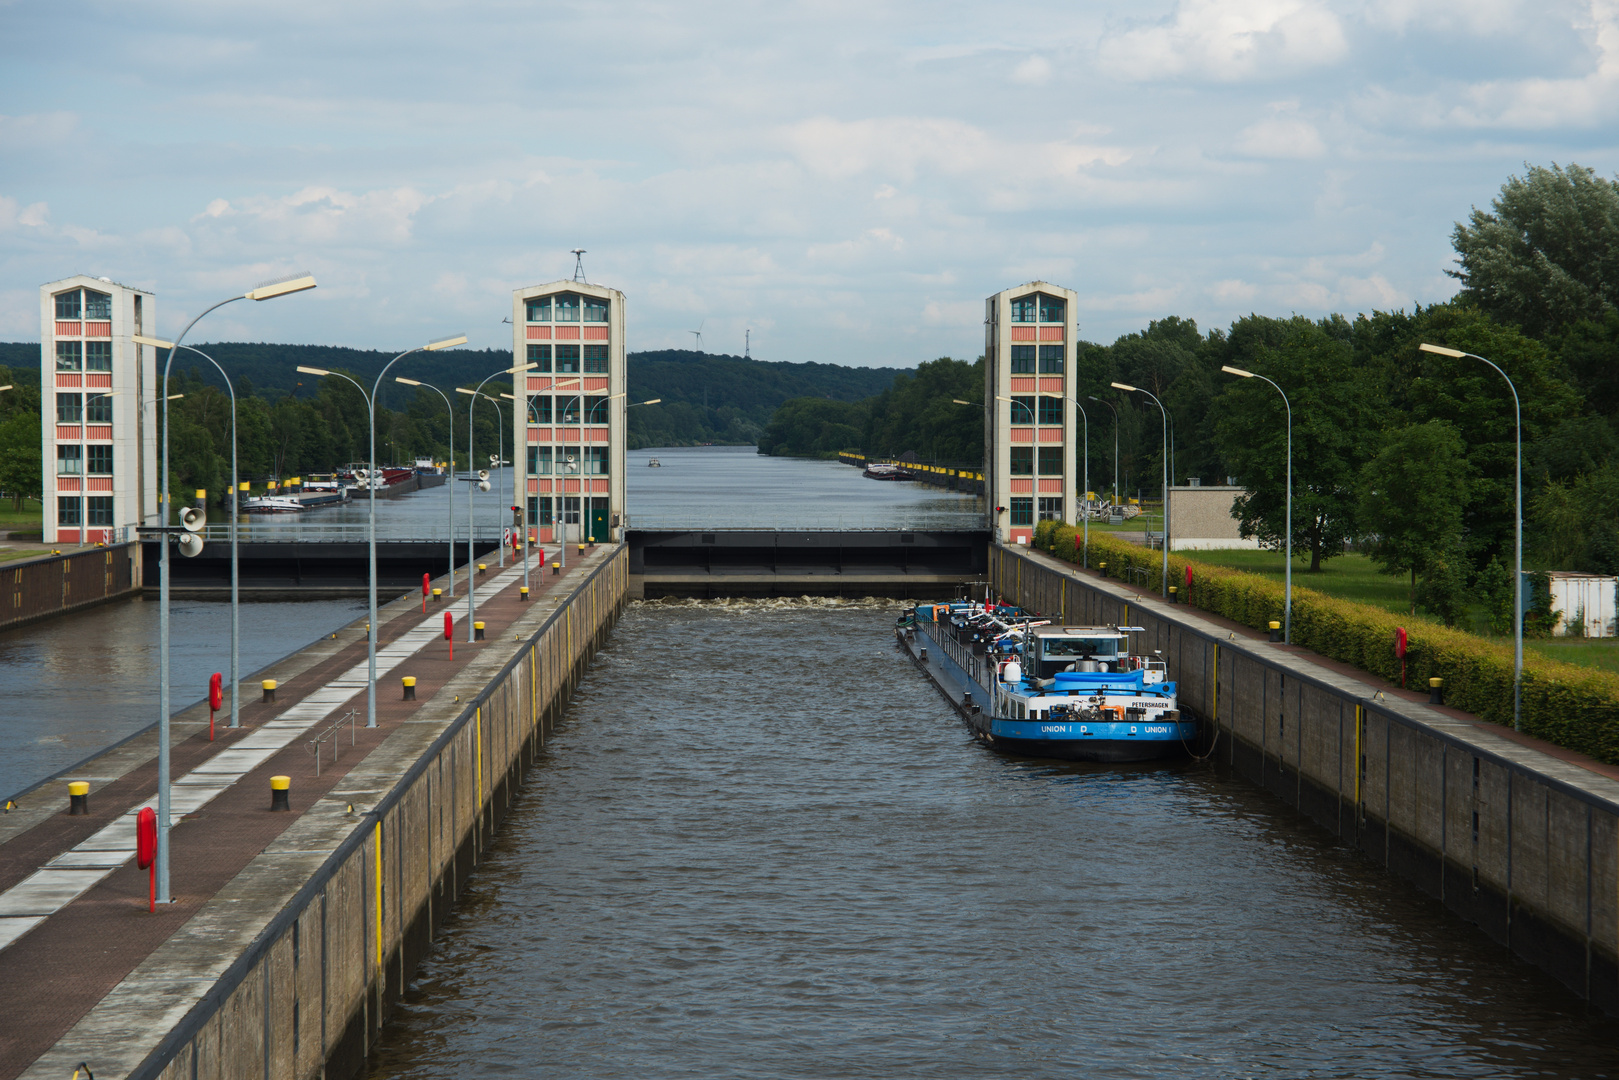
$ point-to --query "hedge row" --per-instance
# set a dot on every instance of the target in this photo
(1565, 704)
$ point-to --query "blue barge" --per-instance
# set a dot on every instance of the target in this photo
(1025, 686)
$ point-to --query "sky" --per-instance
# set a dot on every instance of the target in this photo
(846, 180)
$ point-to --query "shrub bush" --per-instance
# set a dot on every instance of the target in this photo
(1565, 704)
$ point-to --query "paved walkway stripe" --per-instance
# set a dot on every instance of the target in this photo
(66, 876)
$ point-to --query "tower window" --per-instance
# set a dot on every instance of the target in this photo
(540, 357)
(539, 310)
(1051, 461)
(598, 411)
(567, 358)
(1050, 509)
(69, 408)
(539, 412)
(97, 305)
(1023, 359)
(100, 460)
(1023, 309)
(97, 408)
(1052, 309)
(1022, 459)
(67, 305)
(595, 309)
(1051, 359)
(97, 355)
(539, 460)
(1023, 410)
(99, 512)
(596, 358)
(1022, 511)
(1051, 410)
(69, 355)
(567, 307)
(567, 410)
(596, 460)
(68, 460)
(67, 509)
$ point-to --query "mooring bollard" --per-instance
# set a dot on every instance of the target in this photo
(477, 631)
(78, 797)
(481, 568)
(279, 786)
(1436, 691)
(1172, 591)
(556, 568)
(522, 592)
(967, 699)
(1275, 630)
(410, 687)
(438, 595)
(924, 654)
(269, 691)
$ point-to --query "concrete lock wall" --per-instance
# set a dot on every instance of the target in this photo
(40, 588)
(1520, 843)
(350, 900)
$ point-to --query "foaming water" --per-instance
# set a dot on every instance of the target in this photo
(761, 845)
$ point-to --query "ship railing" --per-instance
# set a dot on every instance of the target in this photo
(963, 655)
(288, 531)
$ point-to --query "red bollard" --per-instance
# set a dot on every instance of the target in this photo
(426, 583)
(449, 632)
(216, 698)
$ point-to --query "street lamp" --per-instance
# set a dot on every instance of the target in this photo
(1110, 405)
(1517, 579)
(371, 500)
(496, 461)
(450, 591)
(267, 291)
(1086, 563)
(235, 566)
(1164, 413)
(1287, 603)
(475, 394)
(987, 407)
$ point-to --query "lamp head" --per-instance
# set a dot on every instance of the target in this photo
(6, 387)
(447, 343)
(1441, 350)
(520, 367)
(1228, 369)
(650, 401)
(156, 343)
(1122, 386)
(281, 287)
(407, 382)
(464, 390)
(313, 370)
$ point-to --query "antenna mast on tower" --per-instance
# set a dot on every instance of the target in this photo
(579, 266)
(747, 344)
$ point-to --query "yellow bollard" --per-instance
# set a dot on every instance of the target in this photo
(410, 687)
(279, 786)
(482, 567)
(1275, 630)
(78, 797)
(477, 631)
(556, 568)
(269, 691)
(522, 592)
(1436, 691)
(438, 594)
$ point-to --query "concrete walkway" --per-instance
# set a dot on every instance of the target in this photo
(73, 906)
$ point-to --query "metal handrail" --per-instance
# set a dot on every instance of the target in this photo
(330, 734)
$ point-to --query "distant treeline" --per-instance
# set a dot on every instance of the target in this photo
(706, 397)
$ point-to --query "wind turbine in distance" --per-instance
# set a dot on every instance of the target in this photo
(698, 334)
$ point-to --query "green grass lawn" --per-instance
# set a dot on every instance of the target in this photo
(30, 515)
(1349, 577)
(1587, 652)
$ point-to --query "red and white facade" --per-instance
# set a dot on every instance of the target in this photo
(98, 430)
(571, 409)
(1030, 442)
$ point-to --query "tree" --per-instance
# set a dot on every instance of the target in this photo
(1411, 498)
(1335, 411)
(813, 427)
(1549, 254)
(21, 471)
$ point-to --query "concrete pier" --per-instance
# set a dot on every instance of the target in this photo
(1511, 833)
(291, 932)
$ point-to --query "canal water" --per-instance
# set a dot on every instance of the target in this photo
(72, 686)
(761, 845)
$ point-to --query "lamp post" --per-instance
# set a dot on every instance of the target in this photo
(1287, 602)
(474, 395)
(371, 509)
(267, 291)
(1110, 405)
(1165, 415)
(1517, 578)
(987, 407)
(450, 533)
(1086, 557)
(497, 461)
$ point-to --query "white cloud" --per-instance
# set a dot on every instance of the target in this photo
(1229, 40)
(1283, 134)
(1033, 71)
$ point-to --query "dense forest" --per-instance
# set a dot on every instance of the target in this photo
(295, 424)
(1407, 452)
